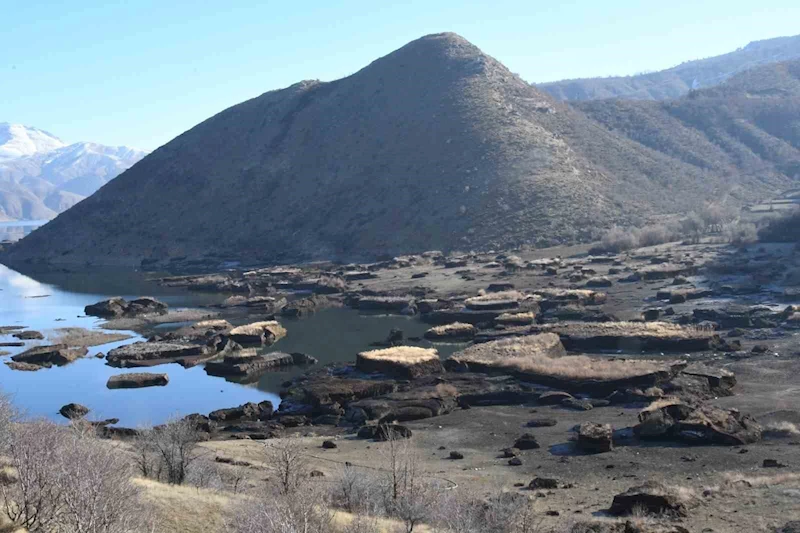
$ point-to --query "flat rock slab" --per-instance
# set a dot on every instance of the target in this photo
(58, 354)
(542, 359)
(140, 353)
(595, 438)
(558, 297)
(137, 380)
(634, 337)
(247, 363)
(401, 361)
(503, 300)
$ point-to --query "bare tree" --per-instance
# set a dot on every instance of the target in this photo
(406, 494)
(286, 464)
(167, 452)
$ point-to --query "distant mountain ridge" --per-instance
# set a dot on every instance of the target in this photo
(434, 146)
(41, 176)
(677, 81)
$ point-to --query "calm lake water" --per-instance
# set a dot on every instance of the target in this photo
(45, 302)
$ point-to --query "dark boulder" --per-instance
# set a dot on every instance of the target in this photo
(595, 438)
(652, 497)
(543, 483)
(74, 411)
(703, 424)
(526, 441)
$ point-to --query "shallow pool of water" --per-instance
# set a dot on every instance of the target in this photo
(46, 302)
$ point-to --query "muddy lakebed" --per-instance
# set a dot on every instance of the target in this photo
(54, 302)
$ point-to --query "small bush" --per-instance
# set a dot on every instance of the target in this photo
(618, 240)
(740, 233)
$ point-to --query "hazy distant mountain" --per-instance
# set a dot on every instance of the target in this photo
(40, 176)
(677, 81)
(434, 146)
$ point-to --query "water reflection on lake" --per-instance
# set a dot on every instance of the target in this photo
(48, 301)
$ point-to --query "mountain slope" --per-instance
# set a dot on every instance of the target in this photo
(434, 146)
(55, 177)
(679, 80)
(746, 127)
(17, 140)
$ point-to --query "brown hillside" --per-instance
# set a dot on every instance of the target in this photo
(435, 146)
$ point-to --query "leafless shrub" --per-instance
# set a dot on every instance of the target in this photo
(286, 464)
(302, 511)
(68, 481)
(464, 511)
(168, 452)
(655, 234)
(8, 414)
(354, 491)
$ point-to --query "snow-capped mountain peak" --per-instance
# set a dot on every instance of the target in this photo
(17, 140)
(40, 176)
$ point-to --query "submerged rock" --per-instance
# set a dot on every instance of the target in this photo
(46, 356)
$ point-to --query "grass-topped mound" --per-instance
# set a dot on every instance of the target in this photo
(400, 361)
(542, 359)
(631, 337)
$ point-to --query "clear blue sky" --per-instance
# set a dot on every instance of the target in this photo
(139, 73)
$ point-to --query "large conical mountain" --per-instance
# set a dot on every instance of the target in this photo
(435, 146)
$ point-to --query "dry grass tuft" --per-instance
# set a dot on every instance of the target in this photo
(185, 509)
